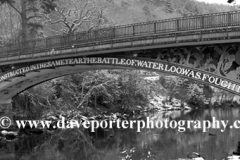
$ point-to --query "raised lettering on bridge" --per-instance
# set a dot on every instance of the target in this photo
(153, 65)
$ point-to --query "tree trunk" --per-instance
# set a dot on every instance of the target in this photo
(11, 22)
(24, 20)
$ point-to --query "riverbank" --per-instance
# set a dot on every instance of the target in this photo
(164, 103)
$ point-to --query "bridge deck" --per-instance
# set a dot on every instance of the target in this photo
(195, 30)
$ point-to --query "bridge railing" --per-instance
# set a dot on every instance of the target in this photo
(223, 20)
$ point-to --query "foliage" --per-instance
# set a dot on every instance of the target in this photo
(36, 101)
(185, 89)
(191, 7)
(104, 89)
(88, 92)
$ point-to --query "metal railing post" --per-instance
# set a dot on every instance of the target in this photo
(202, 22)
(155, 27)
(229, 19)
(177, 25)
(133, 30)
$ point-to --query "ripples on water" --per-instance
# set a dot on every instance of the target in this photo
(126, 144)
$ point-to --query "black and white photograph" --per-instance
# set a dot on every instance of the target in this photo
(119, 79)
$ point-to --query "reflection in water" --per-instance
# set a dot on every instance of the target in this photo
(126, 144)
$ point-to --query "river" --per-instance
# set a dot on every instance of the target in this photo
(126, 144)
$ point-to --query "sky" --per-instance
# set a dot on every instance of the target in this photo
(219, 1)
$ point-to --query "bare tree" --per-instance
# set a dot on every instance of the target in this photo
(70, 16)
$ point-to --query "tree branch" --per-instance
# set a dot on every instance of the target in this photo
(14, 8)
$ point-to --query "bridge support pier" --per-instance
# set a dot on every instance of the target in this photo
(6, 111)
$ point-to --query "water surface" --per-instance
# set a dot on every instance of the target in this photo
(126, 144)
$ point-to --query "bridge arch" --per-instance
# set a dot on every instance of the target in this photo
(18, 84)
(18, 79)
